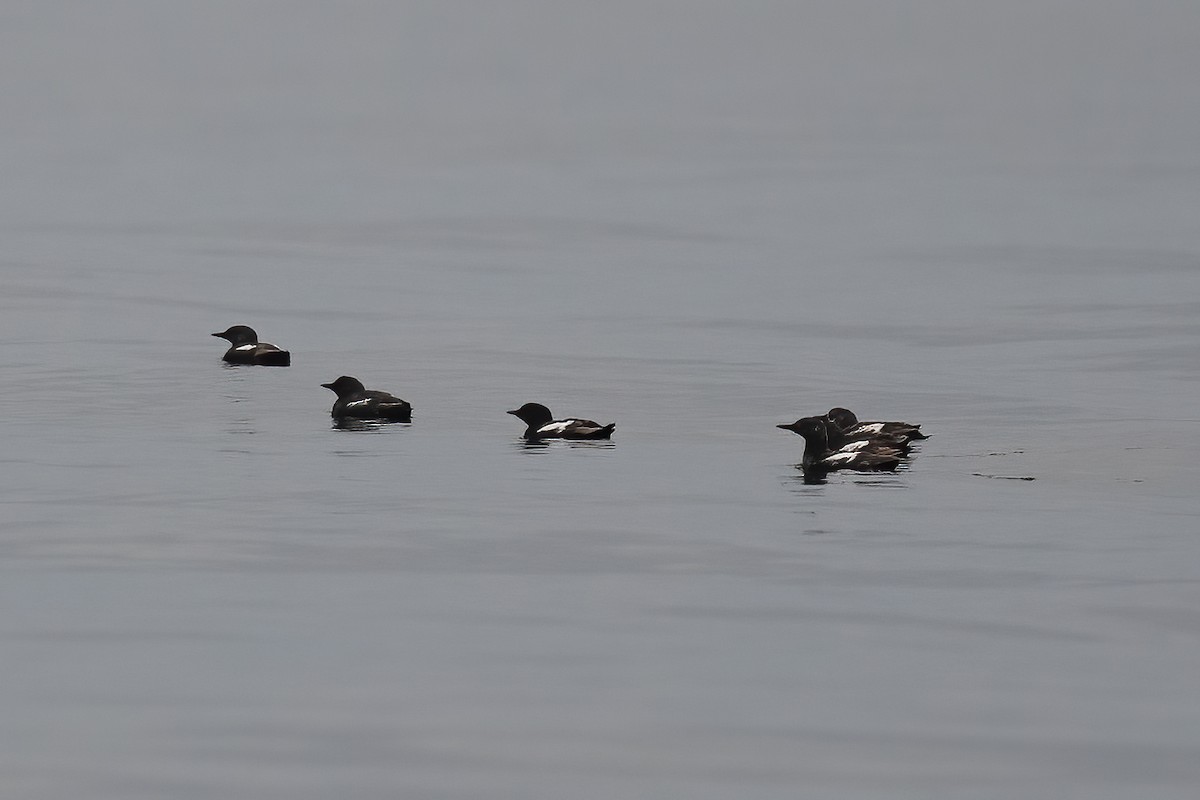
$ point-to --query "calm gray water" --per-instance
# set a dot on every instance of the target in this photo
(697, 219)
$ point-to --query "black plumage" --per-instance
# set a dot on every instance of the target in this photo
(354, 401)
(245, 348)
(540, 424)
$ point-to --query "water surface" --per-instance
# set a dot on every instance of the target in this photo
(692, 220)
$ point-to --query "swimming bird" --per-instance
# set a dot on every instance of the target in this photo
(355, 401)
(840, 440)
(848, 422)
(864, 457)
(247, 349)
(541, 424)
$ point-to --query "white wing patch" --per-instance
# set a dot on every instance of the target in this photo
(840, 457)
(246, 347)
(353, 403)
(558, 426)
(851, 447)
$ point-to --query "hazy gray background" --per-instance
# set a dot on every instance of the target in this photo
(696, 219)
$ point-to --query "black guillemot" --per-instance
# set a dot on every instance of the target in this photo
(354, 401)
(541, 424)
(861, 456)
(247, 349)
(848, 422)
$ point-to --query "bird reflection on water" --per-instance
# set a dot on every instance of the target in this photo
(545, 445)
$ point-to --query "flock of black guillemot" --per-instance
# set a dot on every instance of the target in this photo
(832, 441)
